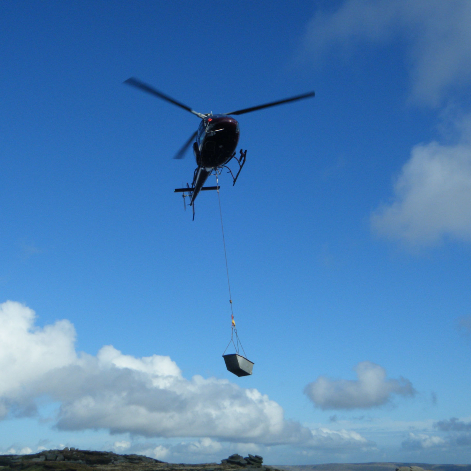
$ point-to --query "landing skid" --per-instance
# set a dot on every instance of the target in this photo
(190, 193)
(189, 190)
(241, 162)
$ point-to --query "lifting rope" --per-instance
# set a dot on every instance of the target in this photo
(233, 324)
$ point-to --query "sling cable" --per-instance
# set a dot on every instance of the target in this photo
(235, 363)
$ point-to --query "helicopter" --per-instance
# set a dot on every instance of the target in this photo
(214, 142)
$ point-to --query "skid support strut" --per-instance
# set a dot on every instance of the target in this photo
(241, 162)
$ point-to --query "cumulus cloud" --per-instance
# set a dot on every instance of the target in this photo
(432, 196)
(28, 353)
(437, 33)
(127, 400)
(371, 389)
(146, 397)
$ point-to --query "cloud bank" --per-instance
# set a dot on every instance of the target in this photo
(432, 195)
(437, 33)
(455, 433)
(371, 389)
(145, 397)
(453, 425)
(422, 441)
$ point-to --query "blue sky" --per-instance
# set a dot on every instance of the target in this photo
(348, 232)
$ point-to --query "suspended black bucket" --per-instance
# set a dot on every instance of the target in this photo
(238, 364)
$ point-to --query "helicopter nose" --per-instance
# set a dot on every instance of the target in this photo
(231, 125)
(223, 123)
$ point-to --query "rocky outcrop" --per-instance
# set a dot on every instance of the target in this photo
(70, 456)
(71, 459)
(250, 461)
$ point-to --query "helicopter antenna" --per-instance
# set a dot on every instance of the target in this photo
(184, 197)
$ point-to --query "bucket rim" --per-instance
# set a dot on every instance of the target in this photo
(238, 355)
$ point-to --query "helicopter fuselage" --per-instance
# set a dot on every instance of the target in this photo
(216, 141)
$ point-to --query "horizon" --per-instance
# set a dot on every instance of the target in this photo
(435, 466)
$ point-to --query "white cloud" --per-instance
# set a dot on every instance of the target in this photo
(159, 452)
(155, 366)
(421, 441)
(28, 353)
(204, 446)
(456, 434)
(371, 389)
(437, 32)
(146, 397)
(121, 446)
(18, 451)
(432, 196)
(326, 438)
(127, 400)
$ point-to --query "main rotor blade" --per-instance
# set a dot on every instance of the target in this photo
(147, 88)
(274, 103)
(181, 153)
